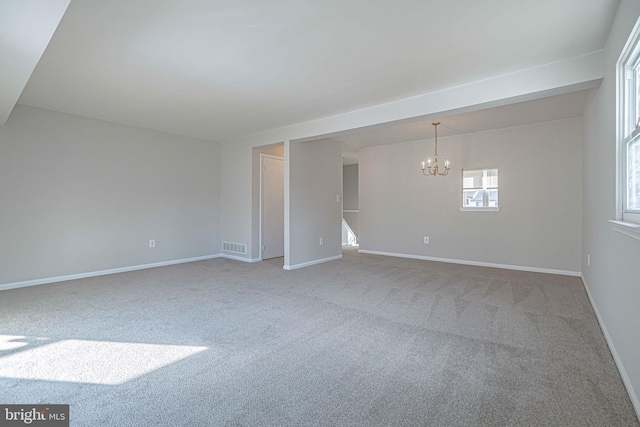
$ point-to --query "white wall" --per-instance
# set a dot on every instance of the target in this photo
(538, 226)
(81, 195)
(315, 179)
(613, 279)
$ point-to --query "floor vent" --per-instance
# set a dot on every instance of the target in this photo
(236, 248)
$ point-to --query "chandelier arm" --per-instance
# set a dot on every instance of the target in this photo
(430, 172)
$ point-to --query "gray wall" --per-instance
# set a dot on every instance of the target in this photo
(238, 213)
(538, 226)
(82, 195)
(613, 279)
(350, 187)
(315, 179)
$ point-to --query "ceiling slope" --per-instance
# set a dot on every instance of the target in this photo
(26, 27)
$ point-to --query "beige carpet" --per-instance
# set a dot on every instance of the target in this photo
(364, 341)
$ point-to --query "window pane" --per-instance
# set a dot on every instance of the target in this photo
(493, 197)
(633, 175)
(472, 198)
(635, 114)
(492, 178)
(472, 179)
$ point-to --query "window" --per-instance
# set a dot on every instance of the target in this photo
(629, 130)
(480, 189)
(633, 175)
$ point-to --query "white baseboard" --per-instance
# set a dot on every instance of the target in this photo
(238, 258)
(47, 280)
(475, 263)
(102, 272)
(307, 264)
(623, 372)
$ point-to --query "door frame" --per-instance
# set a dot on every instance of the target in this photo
(262, 157)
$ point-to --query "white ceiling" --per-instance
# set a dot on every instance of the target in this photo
(220, 70)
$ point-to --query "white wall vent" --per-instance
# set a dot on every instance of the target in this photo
(236, 248)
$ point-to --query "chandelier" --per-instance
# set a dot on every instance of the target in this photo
(433, 169)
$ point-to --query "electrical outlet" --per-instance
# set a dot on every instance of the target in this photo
(152, 243)
(321, 241)
(589, 260)
(426, 240)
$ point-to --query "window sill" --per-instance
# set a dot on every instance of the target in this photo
(628, 228)
(479, 209)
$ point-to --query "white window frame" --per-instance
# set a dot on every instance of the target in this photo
(627, 130)
(485, 195)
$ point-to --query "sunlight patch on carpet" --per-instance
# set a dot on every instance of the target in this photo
(11, 342)
(92, 362)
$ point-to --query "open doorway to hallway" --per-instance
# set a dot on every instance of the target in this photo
(268, 203)
(271, 206)
(350, 206)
